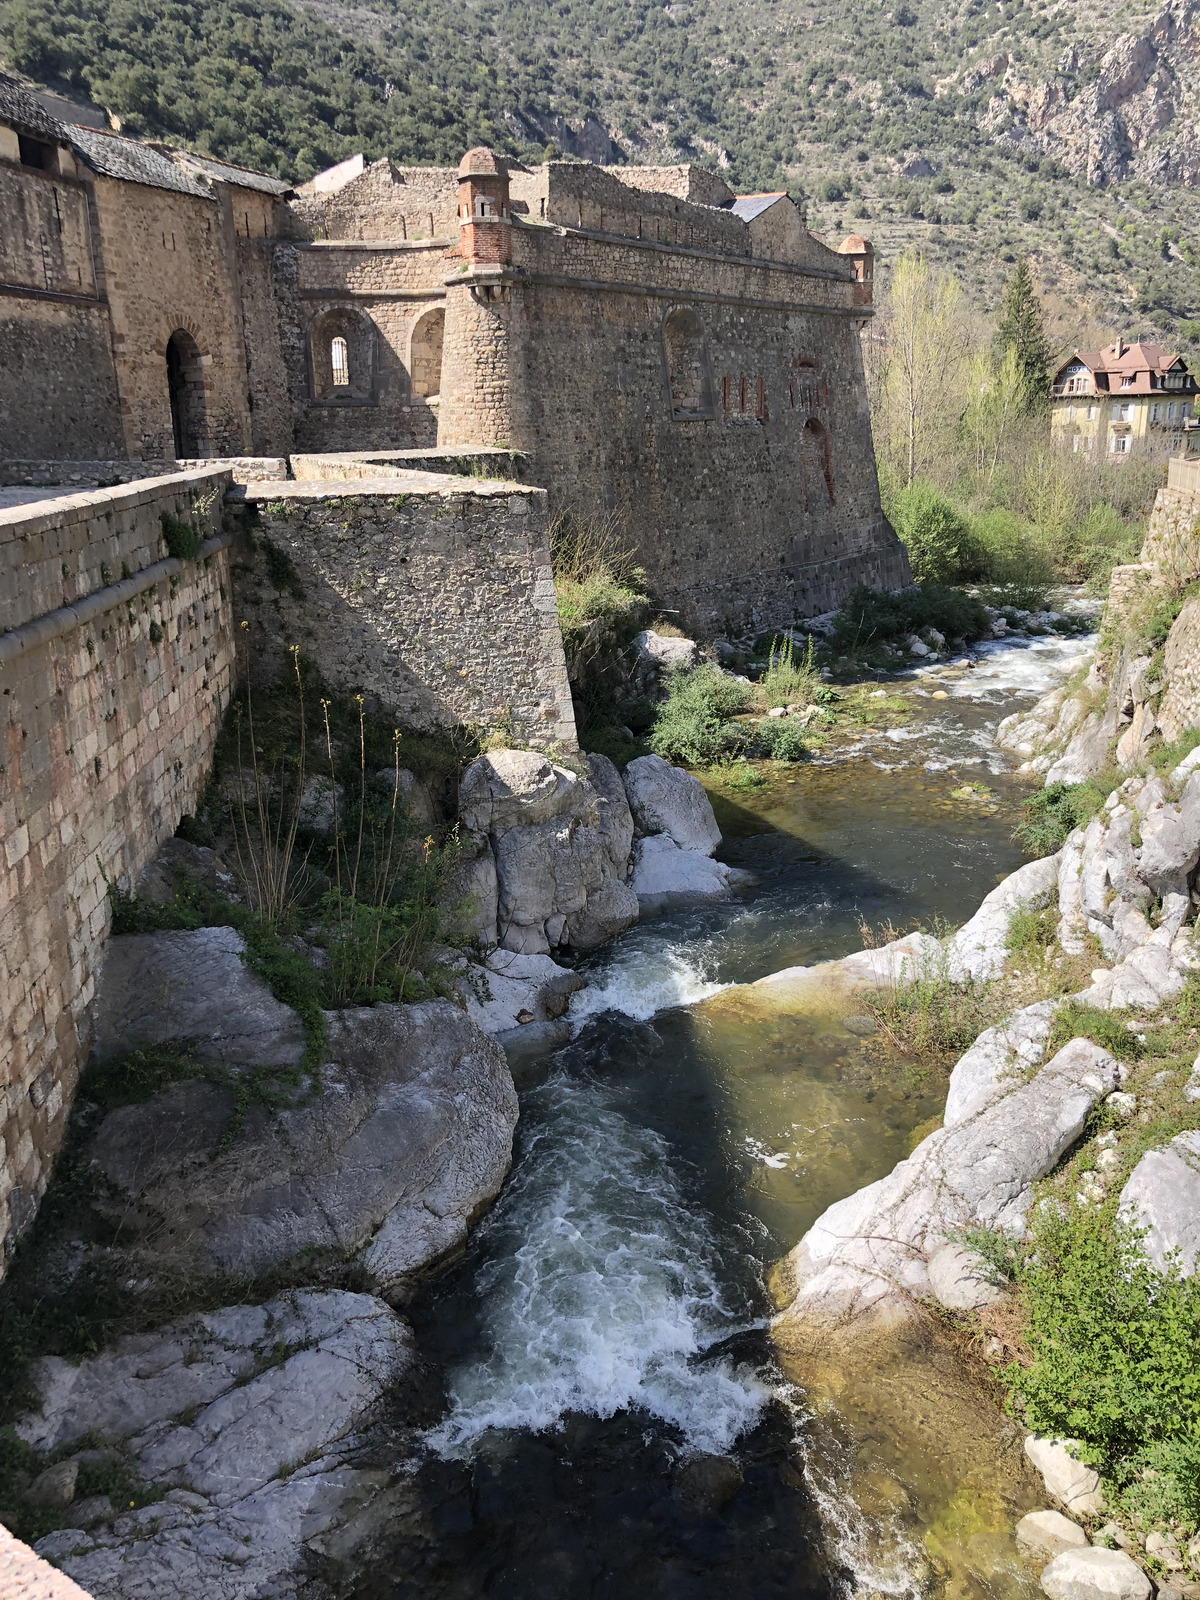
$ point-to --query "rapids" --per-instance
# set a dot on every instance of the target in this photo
(615, 1421)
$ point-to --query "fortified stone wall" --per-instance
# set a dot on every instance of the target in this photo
(434, 595)
(116, 662)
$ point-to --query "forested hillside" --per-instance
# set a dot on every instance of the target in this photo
(980, 132)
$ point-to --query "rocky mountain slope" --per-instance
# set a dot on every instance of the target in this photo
(1061, 128)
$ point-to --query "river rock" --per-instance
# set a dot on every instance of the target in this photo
(1171, 840)
(998, 1061)
(980, 948)
(1067, 1479)
(664, 874)
(178, 859)
(1163, 1196)
(709, 1482)
(961, 1279)
(156, 987)
(510, 991)
(1042, 1535)
(406, 1139)
(667, 800)
(255, 1410)
(1087, 751)
(1094, 1574)
(560, 842)
(658, 656)
(55, 1486)
(870, 1251)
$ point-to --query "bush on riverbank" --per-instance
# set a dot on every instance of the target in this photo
(602, 604)
(871, 618)
(694, 725)
(1058, 809)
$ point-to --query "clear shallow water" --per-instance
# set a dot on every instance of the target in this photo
(615, 1420)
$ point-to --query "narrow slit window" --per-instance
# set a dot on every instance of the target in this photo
(340, 359)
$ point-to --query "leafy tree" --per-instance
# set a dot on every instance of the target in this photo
(1022, 331)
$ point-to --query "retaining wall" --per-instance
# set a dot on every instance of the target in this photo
(116, 663)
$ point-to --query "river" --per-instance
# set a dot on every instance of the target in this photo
(614, 1422)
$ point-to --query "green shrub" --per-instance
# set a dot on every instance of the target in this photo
(790, 680)
(1115, 1347)
(871, 618)
(780, 739)
(1055, 811)
(1031, 933)
(180, 537)
(938, 537)
(602, 604)
(693, 726)
(1075, 1019)
(1011, 566)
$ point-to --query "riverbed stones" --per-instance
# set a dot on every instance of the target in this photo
(1163, 1197)
(667, 800)
(1094, 1574)
(1042, 1535)
(257, 1410)
(559, 841)
(708, 1482)
(871, 1250)
(156, 987)
(407, 1137)
(1068, 1480)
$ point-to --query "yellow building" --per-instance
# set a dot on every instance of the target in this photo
(1107, 404)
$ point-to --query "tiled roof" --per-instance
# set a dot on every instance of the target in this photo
(26, 113)
(1139, 363)
(114, 157)
(749, 206)
(225, 172)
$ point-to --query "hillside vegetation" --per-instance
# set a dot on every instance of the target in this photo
(979, 132)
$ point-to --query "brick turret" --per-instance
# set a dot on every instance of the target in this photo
(861, 254)
(483, 216)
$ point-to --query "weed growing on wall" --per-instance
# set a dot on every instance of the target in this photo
(180, 538)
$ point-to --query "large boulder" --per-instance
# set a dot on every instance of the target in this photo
(510, 991)
(1095, 1574)
(960, 1279)
(1163, 1197)
(1042, 1535)
(1087, 752)
(1068, 1480)
(979, 948)
(155, 987)
(246, 1418)
(666, 799)
(406, 1138)
(998, 1060)
(657, 655)
(1171, 840)
(560, 845)
(664, 874)
(871, 1250)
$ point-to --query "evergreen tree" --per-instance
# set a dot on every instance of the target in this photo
(1021, 331)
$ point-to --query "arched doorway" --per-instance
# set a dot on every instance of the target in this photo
(425, 360)
(689, 383)
(185, 382)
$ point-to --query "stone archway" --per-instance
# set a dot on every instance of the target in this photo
(425, 355)
(185, 384)
(817, 465)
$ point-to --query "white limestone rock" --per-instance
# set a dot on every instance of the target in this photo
(960, 1279)
(1068, 1480)
(1087, 751)
(510, 991)
(998, 1061)
(979, 948)
(666, 799)
(408, 1137)
(1094, 1574)
(871, 1249)
(1042, 1535)
(256, 1409)
(663, 874)
(658, 656)
(154, 987)
(1163, 1196)
(1171, 840)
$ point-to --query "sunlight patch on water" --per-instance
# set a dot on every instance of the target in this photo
(601, 1290)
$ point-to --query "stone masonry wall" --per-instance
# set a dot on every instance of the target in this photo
(115, 668)
(433, 595)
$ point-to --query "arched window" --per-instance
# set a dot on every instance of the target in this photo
(341, 354)
(425, 354)
(817, 464)
(185, 385)
(689, 383)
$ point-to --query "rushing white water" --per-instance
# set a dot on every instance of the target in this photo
(648, 972)
(602, 1287)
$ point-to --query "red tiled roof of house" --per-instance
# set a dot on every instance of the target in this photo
(1138, 363)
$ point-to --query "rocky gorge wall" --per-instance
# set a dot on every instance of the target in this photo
(116, 661)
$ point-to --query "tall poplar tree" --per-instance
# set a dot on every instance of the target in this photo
(1021, 330)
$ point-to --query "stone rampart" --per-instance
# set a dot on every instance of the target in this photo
(116, 662)
(432, 594)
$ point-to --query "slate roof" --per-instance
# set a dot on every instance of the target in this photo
(115, 157)
(26, 113)
(749, 206)
(225, 172)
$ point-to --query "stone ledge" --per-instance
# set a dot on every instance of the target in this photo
(19, 521)
(25, 1576)
(425, 484)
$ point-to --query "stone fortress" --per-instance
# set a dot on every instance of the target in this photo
(237, 417)
(657, 348)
